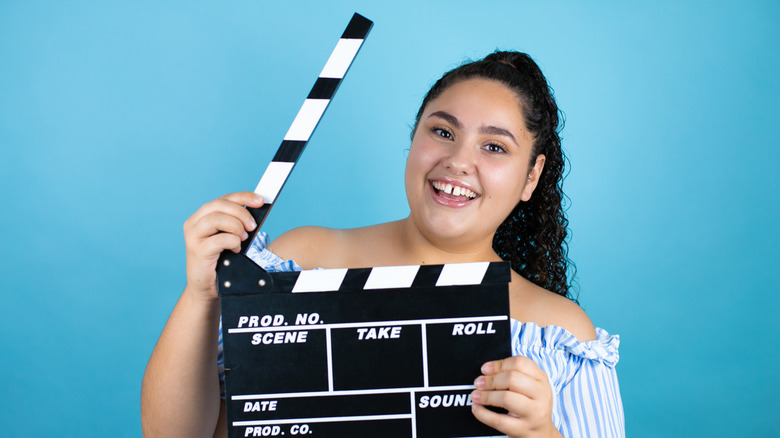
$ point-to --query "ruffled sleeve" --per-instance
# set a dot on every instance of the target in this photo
(270, 262)
(266, 259)
(586, 395)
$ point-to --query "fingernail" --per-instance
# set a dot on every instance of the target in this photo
(487, 368)
(475, 396)
(480, 382)
(259, 199)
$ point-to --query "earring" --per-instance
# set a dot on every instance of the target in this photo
(530, 177)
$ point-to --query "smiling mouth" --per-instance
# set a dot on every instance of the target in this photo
(454, 192)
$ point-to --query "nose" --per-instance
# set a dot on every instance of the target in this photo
(461, 159)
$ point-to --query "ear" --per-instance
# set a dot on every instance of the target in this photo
(533, 177)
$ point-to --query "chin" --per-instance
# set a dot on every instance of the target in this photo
(446, 232)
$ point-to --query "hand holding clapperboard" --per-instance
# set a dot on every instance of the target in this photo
(380, 352)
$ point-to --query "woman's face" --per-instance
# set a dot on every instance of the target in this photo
(468, 165)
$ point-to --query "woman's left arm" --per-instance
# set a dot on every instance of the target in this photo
(518, 385)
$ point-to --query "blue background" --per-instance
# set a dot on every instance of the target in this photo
(118, 119)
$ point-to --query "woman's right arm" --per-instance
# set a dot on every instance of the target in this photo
(180, 392)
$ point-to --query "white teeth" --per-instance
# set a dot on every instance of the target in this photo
(453, 190)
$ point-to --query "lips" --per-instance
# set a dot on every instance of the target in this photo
(452, 191)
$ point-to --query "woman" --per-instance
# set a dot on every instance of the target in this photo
(483, 182)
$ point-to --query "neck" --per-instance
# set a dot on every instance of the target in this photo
(429, 250)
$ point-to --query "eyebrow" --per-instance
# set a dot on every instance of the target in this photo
(495, 130)
(446, 116)
(491, 130)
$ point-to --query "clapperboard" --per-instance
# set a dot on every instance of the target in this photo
(375, 352)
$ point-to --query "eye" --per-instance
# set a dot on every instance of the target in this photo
(441, 132)
(494, 148)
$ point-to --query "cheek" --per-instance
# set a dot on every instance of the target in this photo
(420, 161)
(507, 184)
(413, 173)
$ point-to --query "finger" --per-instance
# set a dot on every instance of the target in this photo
(503, 423)
(215, 223)
(226, 207)
(514, 363)
(511, 401)
(214, 245)
(249, 199)
(514, 381)
(232, 204)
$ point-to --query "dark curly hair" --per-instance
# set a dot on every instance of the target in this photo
(533, 236)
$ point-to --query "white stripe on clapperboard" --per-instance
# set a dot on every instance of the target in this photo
(307, 118)
(330, 360)
(324, 419)
(353, 392)
(424, 335)
(341, 57)
(340, 325)
(391, 277)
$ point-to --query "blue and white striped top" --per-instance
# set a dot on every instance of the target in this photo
(586, 395)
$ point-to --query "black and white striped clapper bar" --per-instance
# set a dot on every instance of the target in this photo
(309, 115)
(376, 352)
(292, 146)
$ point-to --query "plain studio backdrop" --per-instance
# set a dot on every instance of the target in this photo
(119, 119)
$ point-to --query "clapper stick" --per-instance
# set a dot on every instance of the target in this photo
(308, 117)
(297, 137)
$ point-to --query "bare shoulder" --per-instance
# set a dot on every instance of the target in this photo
(319, 247)
(531, 303)
(306, 245)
